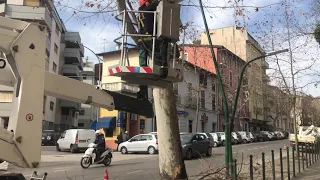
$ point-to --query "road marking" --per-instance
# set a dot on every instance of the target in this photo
(61, 170)
(98, 179)
(249, 149)
(256, 148)
(134, 172)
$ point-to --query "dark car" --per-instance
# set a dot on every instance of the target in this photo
(260, 137)
(49, 137)
(194, 145)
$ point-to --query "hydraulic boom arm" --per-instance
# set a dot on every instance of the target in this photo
(22, 66)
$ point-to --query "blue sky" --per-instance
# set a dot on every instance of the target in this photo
(99, 30)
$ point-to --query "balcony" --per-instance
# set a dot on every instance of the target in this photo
(69, 104)
(120, 87)
(71, 70)
(27, 13)
(190, 102)
(5, 109)
(73, 56)
(48, 44)
(72, 39)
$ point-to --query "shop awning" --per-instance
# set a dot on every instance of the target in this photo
(105, 122)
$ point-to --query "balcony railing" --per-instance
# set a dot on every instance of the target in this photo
(120, 87)
(29, 13)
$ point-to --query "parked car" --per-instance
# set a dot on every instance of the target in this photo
(140, 143)
(245, 137)
(280, 134)
(237, 137)
(268, 134)
(260, 137)
(49, 137)
(194, 145)
(274, 135)
(209, 136)
(217, 141)
(252, 137)
(75, 140)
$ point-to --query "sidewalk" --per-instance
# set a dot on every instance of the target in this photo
(311, 173)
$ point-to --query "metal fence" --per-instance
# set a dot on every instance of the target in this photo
(294, 163)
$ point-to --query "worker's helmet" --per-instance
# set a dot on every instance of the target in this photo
(145, 1)
(98, 132)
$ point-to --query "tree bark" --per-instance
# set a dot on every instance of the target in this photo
(171, 163)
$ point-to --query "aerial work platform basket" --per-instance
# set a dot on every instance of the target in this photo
(166, 26)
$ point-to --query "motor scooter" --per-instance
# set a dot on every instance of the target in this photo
(89, 157)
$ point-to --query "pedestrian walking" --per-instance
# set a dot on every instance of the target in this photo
(125, 136)
(119, 140)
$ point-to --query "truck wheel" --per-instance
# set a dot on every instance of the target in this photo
(57, 147)
(72, 149)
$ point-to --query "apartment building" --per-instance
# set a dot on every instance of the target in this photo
(87, 113)
(64, 53)
(230, 66)
(241, 43)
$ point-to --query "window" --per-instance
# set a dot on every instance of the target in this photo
(133, 117)
(44, 103)
(6, 96)
(190, 126)
(213, 87)
(146, 138)
(55, 48)
(49, 35)
(203, 79)
(230, 78)
(57, 29)
(84, 76)
(175, 88)
(80, 124)
(202, 126)
(213, 101)
(213, 127)
(65, 111)
(82, 111)
(203, 99)
(47, 53)
(54, 67)
(135, 138)
(51, 105)
(47, 64)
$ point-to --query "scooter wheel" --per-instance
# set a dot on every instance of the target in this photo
(85, 162)
(107, 161)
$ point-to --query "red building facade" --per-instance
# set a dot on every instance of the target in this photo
(230, 66)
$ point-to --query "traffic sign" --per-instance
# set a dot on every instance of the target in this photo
(29, 117)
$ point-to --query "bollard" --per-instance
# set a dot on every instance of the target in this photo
(298, 149)
(307, 148)
(309, 151)
(302, 155)
(312, 154)
(263, 167)
(235, 170)
(288, 162)
(293, 162)
(273, 165)
(281, 164)
(251, 167)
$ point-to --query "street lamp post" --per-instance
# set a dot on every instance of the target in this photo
(234, 107)
(228, 146)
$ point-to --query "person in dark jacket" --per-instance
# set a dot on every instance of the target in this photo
(101, 144)
(145, 26)
(120, 140)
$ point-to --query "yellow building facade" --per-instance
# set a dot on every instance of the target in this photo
(133, 123)
(241, 43)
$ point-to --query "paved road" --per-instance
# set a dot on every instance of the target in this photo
(63, 165)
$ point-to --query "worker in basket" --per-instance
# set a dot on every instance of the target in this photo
(145, 25)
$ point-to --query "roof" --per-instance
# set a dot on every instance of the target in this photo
(116, 51)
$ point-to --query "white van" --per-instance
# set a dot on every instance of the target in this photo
(75, 139)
